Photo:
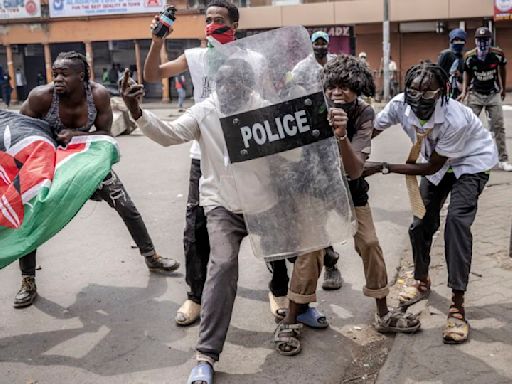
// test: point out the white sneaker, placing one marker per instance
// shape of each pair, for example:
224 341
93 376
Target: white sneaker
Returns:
507 167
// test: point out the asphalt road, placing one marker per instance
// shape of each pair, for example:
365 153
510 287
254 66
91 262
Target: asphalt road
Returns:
101 317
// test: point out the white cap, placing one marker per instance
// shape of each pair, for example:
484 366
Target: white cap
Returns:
362 54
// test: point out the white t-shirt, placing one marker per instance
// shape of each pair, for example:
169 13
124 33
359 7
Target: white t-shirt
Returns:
392 69
197 68
308 71
20 79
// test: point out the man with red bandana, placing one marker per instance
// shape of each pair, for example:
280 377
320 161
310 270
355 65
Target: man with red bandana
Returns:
221 24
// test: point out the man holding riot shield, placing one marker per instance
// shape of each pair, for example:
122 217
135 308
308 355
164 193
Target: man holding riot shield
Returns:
239 156
221 21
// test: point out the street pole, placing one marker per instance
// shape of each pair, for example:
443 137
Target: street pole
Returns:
385 46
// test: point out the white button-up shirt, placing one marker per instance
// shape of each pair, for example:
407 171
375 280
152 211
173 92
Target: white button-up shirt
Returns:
457 133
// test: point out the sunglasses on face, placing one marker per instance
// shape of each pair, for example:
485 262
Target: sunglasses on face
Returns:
428 95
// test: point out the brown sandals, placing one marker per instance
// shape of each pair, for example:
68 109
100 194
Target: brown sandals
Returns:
456 330
414 293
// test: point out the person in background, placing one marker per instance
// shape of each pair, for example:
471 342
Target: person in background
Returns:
113 76
363 57
6 89
133 72
40 79
120 72
21 84
452 61
104 76
485 76
179 82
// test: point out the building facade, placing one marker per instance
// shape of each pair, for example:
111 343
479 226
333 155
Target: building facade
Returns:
117 31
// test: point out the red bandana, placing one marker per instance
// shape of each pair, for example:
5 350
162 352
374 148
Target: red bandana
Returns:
220 32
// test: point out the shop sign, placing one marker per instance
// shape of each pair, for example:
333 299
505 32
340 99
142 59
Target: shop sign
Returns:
81 8
19 9
502 10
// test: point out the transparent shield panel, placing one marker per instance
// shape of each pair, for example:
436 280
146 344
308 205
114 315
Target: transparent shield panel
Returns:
280 148
312 209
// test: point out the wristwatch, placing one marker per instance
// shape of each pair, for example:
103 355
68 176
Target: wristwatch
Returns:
385 169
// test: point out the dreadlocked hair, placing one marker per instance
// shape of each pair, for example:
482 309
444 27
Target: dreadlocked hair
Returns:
427 71
348 71
233 13
78 58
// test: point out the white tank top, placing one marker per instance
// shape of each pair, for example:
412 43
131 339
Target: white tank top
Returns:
196 60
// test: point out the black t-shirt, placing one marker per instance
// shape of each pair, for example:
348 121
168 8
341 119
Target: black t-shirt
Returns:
485 73
446 59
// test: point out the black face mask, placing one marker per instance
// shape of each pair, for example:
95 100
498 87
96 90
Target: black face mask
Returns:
320 52
422 108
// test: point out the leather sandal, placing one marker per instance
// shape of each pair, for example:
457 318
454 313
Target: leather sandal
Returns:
414 293
456 330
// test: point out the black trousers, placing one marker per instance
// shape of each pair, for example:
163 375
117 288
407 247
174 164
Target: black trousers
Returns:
114 193
279 283
195 241
464 193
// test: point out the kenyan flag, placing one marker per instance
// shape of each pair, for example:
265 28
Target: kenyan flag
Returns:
42 186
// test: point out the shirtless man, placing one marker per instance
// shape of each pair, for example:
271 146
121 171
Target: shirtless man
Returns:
72 104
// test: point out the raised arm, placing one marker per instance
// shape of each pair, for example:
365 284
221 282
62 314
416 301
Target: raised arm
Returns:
184 129
154 72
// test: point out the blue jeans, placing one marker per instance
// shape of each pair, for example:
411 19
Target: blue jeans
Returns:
181 97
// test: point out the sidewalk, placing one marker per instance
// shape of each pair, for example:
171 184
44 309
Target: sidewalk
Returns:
487 357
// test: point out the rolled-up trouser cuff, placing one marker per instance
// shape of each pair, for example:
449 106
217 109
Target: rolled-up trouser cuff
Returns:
202 357
376 293
301 299
458 287
306 271
148 254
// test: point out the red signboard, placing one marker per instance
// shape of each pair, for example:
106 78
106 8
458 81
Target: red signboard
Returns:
502 10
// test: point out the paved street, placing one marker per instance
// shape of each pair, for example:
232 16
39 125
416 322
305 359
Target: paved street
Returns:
103 318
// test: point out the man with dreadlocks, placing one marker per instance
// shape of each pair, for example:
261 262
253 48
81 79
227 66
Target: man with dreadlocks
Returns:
345 79
72 104
457 152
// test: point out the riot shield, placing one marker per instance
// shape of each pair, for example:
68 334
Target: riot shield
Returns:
287 136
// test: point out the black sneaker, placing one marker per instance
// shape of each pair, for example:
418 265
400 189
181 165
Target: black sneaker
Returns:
27 293
332 278
158 263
